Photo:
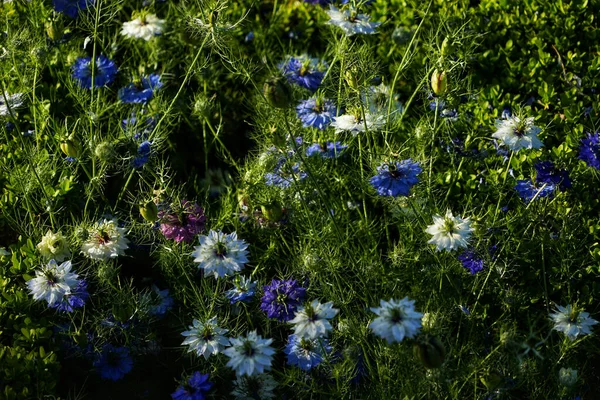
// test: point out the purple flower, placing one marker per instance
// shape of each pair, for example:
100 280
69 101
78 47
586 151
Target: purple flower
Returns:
548 173
73 300
140 93
71 7
143 154
326 150
303 71
281 299
471 261
396 179
182 223
195 389
528 190
316 113
589 150
105 71
114 362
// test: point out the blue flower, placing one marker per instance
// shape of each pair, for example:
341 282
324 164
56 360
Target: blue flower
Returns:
316 113
547 173
143 93
281 299
249 37
114 362
471 261
73 300
71 7
243 291
305 353
396 179
195 389
106 70
321 2
283 176
165 302
506 113
144 152
528 190
589 150
303 71
144 128
327 150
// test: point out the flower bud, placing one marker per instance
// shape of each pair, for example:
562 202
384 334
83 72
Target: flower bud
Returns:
439 82
105 151
567 376
430 351
492 380
277 92
70 148
272 212
351 79
446 47
149 211
54 29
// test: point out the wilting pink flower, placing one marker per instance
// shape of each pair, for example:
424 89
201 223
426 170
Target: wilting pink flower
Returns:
182 223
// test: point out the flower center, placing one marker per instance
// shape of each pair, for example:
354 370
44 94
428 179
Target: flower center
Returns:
306 345
207 334
220 250
102 237
50 278
248 349
113 360
396 315
448 225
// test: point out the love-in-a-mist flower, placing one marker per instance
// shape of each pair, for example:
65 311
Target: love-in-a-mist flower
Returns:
282 298
54 246
326 150
316 113
244 289
12 103
351 22
114 362
143 154
589 150
449 232
312 320
105 240
52 282
71 7
145 27
181 222
378 98
162 302
306 353
304 71
284 175
220 254
471 261
259 386
356 124
396 178
205 338
76 298
396 319
250 355
516 133
528 190
196 388
141 92
548 173
104 71
572 321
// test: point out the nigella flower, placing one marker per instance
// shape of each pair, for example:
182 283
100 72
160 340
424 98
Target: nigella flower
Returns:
449 232
143 155
243 291
396 179
572 322
351 22
396 319
220 254
516 133
141 92
205 338
281 299
143 127
114 362
258 386
304 71
548 173
250 355
54 246
163 302
589 150
353 124
316 113
312 320
144 27
306 353
12 102
71 7
52 282
378 98
506 113
471 261
75 299
104 71
105 240
284 175
528 190
326 150
196 388
182 222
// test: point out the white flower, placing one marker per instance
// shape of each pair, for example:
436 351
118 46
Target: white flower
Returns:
55 246
205 338
250 355
105 240
259 386
13 101
220 254
351 123
518 134
143 27
567 376
396 320
572 322
377 98
52 282
351 22
449 232
311 321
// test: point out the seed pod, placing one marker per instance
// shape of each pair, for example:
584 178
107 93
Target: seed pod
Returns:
430 351
70 148
272 212
439 82
446 48
277 92
491 380
105 151
149 211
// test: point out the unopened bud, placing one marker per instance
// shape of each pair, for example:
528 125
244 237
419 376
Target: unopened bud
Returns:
70 148
439 82
351 79
491 380
54 29
277 92
149 211
272 212
446 47
430 351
